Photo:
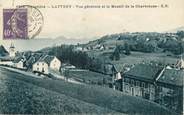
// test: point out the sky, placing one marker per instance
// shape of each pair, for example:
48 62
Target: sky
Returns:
92 23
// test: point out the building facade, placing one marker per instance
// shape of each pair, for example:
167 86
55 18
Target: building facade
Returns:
41 66
139 81
46 63
163 85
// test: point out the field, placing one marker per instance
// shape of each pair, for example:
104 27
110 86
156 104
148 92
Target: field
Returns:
135 57
103 97
89 76
20 97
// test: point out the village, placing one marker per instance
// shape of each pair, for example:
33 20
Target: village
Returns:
162 84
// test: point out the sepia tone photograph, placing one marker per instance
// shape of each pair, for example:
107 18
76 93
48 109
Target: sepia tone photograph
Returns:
98 57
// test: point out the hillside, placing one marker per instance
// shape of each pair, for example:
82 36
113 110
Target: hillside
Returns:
176 29
142 42
19 97
103 97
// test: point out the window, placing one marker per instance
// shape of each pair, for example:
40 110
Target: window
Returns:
37 63
137 83
43 70
37 69
42 63
126 88
127 80
149 86
123 79
132 82
143 84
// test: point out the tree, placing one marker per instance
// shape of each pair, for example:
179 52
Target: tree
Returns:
116 54
127 49
180 34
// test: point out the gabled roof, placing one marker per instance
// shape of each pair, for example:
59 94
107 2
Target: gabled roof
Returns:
46 58
144 72
117 68
33 58
172 77
18 59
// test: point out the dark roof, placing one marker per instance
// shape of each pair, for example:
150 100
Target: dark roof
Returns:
33 58
117 68
172 77
18 59
144 71
47 59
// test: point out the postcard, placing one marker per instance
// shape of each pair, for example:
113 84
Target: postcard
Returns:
78 57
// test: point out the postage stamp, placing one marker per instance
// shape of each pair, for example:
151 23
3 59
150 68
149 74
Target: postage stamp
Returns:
15 26
24 22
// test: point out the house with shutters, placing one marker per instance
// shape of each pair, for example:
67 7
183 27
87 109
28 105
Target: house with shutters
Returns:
32 58
46 64
157 83
169 89
19 63
140 80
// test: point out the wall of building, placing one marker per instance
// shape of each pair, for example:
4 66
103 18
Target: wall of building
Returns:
41 67
170 97
10 63
55 64
138 88
19 65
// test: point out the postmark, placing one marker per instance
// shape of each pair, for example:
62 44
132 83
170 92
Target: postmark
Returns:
35 20
24 22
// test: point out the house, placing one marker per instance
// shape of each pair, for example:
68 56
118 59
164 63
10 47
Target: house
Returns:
46 63
78 48
53 62
6 61
139 81
41 66
31 59
18 63
169 92
66 66
163 85
116 72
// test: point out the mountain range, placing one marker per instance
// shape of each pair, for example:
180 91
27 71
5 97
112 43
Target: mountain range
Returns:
40 43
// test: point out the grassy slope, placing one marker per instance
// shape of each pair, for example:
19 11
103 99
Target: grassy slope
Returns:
88 75
136 57
20 97
103 97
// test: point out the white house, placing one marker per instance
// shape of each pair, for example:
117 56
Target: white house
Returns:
6 62
47 63
116 72
41 66
18 63
55 63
